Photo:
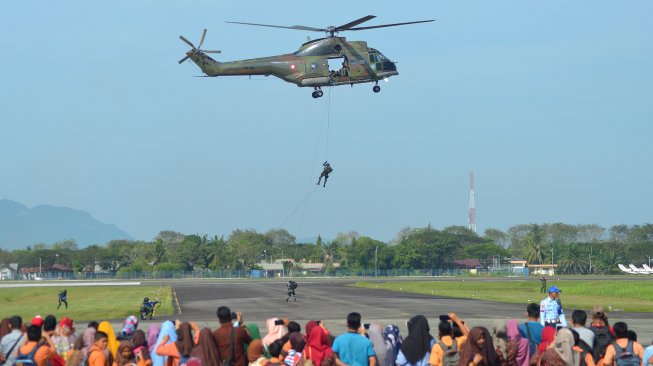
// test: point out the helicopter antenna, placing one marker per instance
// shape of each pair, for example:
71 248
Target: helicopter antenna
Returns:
332 30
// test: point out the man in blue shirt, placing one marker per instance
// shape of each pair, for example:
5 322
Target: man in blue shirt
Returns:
352 348
551 313
532 329
12 341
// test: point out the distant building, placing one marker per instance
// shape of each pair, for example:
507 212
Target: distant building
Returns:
523 268
9 271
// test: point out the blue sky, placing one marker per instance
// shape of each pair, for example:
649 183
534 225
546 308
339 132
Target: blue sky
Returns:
549 103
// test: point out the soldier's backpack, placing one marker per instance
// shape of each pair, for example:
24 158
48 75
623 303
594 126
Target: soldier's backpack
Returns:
450 355
602 339
626 356
26 359
293 285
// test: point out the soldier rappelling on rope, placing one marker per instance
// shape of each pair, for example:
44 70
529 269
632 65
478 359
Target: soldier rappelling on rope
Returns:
325 173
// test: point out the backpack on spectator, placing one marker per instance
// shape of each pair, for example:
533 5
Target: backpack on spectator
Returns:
450 355
602 339
26 359
626 356
586 349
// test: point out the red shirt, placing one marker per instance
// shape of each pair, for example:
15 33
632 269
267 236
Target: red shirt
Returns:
222 337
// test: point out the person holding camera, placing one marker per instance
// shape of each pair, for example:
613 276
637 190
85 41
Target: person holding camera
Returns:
231 339
452 334
352 347
276 330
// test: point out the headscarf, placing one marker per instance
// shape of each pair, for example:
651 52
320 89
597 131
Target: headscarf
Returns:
120 360
471 348
309 326
523 348
418 342
255 350
138 340
129 326
382 348
564 341
500 337
317 346
167 329
548 335
152 335
111 337
254 331
275 331
184 339
297 342
88 338
206 350
648 353
4 327
391 334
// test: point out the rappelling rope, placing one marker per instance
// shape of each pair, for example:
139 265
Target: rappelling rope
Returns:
298 206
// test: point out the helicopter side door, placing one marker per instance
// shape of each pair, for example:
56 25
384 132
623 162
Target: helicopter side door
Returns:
317 67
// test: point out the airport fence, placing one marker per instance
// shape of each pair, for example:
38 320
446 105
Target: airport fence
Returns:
259 273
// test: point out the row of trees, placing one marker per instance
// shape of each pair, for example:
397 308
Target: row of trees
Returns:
575 248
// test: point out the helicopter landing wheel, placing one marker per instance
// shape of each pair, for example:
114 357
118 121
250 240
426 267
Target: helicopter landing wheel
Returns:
320 93
315 94
376 88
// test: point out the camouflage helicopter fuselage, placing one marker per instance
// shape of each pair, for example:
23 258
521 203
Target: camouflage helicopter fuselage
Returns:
309 66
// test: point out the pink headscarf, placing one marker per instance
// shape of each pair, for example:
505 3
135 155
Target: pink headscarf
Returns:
275 331
512 328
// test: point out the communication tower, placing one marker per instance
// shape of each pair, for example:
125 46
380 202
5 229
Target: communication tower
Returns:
471 219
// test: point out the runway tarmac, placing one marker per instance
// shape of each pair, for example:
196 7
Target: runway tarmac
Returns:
331 300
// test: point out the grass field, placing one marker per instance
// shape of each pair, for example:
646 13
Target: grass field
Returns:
633 296
84 302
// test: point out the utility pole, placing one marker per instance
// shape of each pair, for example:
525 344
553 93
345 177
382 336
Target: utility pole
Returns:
471 215
551 254
376 261
39 266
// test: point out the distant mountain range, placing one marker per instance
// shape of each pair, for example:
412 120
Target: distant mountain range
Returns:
21 226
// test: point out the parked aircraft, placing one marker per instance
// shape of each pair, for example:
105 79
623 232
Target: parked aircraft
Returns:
638 270
624 269
649 269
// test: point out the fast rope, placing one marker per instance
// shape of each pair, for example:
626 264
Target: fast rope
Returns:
298 206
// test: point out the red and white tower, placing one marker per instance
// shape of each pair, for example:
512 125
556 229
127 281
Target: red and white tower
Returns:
471 219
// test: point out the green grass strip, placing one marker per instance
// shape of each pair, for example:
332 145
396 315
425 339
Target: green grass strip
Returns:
632 296
84 302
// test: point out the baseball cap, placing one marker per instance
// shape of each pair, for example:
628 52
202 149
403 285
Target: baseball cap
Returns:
554 289
37 320
598 312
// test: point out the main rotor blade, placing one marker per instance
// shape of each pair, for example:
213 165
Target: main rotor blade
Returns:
213 51
391 25
187 41
297 27
184 59
202 39
354 23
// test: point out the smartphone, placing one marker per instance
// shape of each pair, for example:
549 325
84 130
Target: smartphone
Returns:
444 318
278 322
366 325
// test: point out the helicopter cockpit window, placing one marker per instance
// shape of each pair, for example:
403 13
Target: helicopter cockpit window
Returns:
374 57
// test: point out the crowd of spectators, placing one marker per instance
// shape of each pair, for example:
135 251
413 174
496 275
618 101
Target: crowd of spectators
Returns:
48 342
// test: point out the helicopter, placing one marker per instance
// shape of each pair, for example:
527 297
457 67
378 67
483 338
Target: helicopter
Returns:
310 66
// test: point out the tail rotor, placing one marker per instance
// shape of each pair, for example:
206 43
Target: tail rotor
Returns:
196 50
